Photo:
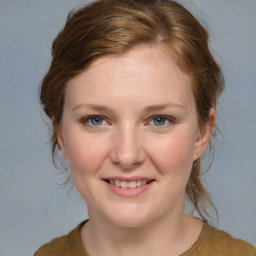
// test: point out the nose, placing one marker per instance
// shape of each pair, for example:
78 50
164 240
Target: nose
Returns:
127 150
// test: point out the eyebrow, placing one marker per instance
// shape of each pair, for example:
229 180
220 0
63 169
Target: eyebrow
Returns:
99 108
154 108
148 109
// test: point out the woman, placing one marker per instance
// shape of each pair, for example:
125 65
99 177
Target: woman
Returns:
132 92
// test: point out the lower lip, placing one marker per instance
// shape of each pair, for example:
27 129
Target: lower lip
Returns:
129 192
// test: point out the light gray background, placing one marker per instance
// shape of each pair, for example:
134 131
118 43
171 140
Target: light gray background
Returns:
33 208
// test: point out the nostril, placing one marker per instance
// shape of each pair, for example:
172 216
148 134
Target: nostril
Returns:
127 152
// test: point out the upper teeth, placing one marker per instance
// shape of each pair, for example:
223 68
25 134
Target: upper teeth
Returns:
128 184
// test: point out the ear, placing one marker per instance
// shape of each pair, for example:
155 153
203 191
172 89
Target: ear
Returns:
204 134
60 139
61 143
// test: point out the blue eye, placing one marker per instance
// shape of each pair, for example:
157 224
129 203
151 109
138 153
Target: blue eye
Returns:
159 121
94 121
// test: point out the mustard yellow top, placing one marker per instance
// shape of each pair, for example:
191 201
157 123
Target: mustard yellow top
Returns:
212 242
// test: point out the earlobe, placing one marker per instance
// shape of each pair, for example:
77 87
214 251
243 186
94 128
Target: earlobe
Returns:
61 144
59 136
204 135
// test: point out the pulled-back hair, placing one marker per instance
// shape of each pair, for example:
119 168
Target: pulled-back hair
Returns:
115 26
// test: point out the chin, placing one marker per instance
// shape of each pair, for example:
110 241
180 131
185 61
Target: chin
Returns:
130 218
130 222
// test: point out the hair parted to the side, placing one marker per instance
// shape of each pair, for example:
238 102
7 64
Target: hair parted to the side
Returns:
115 26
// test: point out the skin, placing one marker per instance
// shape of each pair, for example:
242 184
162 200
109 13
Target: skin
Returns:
127 93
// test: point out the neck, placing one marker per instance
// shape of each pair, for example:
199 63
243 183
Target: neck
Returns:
168 235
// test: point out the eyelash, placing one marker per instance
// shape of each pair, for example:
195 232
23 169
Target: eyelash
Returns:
89 121
167 119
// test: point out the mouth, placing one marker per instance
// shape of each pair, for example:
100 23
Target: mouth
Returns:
128 184
129 187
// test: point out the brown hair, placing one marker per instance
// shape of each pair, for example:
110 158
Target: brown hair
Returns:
115 26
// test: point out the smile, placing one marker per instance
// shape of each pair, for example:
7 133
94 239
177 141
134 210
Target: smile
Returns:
128 187
128 184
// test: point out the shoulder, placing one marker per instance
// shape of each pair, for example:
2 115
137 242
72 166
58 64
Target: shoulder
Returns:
63 245
222 243
55 247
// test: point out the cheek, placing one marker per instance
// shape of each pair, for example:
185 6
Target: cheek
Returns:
85 153
173 154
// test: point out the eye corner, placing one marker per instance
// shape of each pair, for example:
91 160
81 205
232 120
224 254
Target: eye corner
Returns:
94 121
159 122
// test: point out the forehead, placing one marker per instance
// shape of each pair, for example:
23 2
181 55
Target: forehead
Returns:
145 73
140 60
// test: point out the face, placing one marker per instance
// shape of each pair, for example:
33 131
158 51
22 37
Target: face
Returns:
130 133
